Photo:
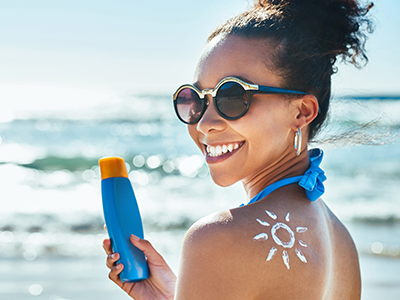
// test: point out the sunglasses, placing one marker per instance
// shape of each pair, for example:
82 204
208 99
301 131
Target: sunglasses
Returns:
232 97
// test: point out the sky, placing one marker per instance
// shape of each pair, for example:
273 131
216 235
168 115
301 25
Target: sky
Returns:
96 50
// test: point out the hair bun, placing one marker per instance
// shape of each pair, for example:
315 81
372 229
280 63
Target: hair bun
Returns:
339 26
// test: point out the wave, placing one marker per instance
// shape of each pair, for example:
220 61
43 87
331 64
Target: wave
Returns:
378 220
384 111
374 98
78 235
142 168
85 223
143 108
54 163
134 108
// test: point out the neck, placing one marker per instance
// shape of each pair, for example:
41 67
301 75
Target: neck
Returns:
285 166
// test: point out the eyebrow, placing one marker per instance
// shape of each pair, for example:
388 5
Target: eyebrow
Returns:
197 83
244 79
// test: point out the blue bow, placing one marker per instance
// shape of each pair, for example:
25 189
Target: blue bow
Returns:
313 178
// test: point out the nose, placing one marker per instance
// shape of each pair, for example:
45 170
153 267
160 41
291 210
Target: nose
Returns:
211 120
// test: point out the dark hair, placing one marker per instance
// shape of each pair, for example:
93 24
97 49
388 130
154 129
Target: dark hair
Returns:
309 36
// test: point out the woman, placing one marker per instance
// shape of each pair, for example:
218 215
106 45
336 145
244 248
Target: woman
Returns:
261 87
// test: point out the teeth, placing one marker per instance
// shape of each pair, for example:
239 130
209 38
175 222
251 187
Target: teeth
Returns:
211 150
221 149
218 150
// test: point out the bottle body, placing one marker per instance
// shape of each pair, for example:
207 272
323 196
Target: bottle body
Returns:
122 217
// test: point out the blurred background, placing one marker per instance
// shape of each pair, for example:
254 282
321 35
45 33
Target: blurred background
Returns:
80 80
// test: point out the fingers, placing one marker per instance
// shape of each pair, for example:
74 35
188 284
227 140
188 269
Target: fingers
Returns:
111 257
107 246
114 274
111 260
152 255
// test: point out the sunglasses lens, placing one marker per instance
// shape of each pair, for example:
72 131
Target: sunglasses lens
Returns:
231 100
189 106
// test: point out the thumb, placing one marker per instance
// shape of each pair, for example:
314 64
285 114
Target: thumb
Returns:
152 255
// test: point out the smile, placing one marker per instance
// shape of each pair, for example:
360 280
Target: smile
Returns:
219 150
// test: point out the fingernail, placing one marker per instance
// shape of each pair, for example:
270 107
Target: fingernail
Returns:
134 237
119 266
113 255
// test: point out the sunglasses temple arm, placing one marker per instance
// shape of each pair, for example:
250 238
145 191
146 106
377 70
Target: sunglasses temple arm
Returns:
274 90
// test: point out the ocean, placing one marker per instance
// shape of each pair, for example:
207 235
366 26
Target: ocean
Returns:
51 222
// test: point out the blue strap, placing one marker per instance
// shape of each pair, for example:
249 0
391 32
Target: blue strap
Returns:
311 181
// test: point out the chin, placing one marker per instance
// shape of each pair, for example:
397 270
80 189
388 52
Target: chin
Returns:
222 180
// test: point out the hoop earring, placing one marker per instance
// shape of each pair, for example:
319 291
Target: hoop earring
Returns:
297 142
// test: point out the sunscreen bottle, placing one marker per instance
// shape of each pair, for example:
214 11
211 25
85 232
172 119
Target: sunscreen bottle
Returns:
122 217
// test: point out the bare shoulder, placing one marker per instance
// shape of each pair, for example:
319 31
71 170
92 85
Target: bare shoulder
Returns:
269 250
204 259
246 253
210 228
216 260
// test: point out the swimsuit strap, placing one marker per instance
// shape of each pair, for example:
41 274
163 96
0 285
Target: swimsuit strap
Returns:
311 181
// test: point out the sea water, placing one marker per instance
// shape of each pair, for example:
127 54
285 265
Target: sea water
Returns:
50 181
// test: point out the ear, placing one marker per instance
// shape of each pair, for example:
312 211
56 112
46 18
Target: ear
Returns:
306 111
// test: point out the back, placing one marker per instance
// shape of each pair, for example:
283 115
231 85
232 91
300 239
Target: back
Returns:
278 248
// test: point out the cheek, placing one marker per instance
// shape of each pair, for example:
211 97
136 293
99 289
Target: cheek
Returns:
269 117
194 134
267 135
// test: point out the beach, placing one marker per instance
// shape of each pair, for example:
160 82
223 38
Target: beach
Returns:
51 223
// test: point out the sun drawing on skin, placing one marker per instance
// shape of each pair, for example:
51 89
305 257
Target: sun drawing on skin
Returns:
287 245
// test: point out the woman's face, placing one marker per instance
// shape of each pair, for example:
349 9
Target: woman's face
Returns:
258 139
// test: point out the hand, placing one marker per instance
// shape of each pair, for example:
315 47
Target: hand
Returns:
161 281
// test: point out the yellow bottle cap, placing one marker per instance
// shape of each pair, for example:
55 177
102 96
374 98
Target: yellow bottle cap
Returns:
112 167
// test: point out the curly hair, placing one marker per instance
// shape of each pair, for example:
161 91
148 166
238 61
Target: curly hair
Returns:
309 36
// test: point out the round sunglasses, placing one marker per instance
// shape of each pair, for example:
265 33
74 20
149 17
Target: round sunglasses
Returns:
232 97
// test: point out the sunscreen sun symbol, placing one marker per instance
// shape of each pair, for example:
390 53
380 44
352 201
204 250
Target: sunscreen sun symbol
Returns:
287 245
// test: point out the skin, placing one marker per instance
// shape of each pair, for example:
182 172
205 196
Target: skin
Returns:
220 259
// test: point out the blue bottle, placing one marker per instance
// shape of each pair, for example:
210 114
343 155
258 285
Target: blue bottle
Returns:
122 217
